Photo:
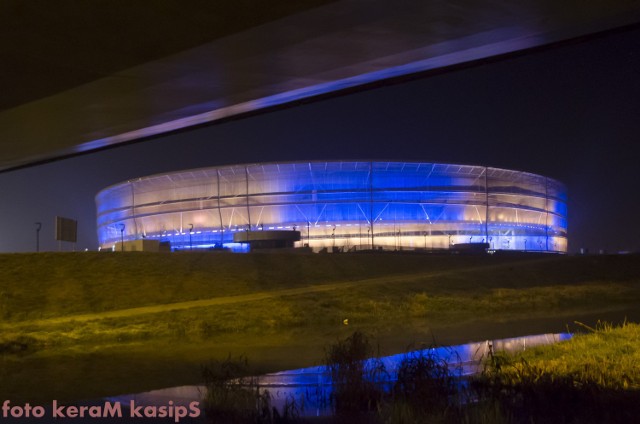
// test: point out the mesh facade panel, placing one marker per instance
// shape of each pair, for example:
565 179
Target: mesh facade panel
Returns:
349 205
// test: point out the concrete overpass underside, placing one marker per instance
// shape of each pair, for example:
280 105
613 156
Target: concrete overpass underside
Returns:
79 78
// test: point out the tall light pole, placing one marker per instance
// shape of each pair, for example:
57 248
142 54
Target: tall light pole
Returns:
121 227
333 236
38 227
190 232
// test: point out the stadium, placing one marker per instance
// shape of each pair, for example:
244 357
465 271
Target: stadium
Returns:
337 206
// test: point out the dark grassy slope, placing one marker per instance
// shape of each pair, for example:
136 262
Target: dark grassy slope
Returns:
55 284
396 297
47 285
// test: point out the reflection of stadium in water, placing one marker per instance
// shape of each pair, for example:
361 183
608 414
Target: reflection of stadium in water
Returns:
312 387
349 205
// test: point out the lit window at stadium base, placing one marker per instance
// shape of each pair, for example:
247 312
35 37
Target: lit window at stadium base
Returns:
340 206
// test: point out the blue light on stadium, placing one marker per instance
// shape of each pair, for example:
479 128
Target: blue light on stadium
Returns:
341 205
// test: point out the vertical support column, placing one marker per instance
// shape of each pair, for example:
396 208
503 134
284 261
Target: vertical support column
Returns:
133 208
219 210
486 210
371 218
246 175
546 209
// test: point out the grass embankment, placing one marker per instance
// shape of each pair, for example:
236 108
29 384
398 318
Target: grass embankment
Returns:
593 378
100 323
606 356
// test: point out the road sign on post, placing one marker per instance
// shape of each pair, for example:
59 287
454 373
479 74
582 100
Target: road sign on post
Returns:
66 230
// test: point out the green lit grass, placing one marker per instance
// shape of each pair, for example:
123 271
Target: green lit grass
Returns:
56 341
35 286
606 356
593 378
377 305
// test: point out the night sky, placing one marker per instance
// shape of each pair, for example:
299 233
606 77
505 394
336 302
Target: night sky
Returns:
570 112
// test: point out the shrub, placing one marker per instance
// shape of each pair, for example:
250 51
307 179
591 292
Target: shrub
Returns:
233 397
355 375
425 382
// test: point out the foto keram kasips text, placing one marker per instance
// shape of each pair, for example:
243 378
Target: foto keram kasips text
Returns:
107 410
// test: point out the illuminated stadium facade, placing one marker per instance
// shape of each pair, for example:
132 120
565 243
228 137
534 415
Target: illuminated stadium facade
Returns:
348 205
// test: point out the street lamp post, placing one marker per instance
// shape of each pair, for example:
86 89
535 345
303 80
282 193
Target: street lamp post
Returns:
38 227
121 226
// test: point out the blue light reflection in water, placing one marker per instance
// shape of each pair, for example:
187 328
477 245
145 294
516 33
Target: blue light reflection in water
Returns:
311 387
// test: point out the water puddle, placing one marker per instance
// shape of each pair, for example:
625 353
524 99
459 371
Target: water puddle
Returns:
311 387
